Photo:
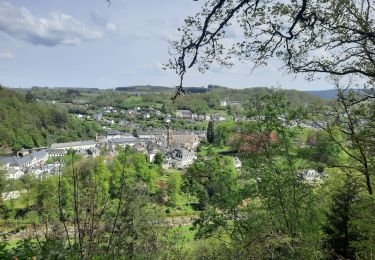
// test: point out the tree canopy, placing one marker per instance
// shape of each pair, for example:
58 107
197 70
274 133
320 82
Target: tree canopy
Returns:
308 36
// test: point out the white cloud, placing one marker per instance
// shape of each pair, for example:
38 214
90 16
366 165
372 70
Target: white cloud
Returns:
170 36
103 21
111 27
57 29
6 55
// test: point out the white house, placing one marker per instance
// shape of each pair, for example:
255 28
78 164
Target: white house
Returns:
15 174
311 176
223 103
79 145
184 114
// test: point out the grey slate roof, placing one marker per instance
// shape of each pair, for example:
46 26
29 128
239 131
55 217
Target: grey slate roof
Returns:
78 143
54 151
123 140
39 154
23 160
6 160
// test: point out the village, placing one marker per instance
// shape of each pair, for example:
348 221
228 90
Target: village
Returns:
178 149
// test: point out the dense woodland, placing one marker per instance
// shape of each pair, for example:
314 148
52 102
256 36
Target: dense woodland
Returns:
27 123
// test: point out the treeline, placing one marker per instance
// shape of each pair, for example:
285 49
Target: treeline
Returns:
27 123
200 103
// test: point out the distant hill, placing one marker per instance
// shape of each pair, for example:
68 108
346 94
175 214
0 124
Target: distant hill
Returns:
144 89
161 89
326 94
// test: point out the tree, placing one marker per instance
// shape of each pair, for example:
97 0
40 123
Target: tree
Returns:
210 132
223 131
29 96
213 181
266 211
3 184
174 187
159 158
339 233
350 125
308 36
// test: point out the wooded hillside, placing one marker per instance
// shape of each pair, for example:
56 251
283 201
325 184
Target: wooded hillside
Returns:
28 123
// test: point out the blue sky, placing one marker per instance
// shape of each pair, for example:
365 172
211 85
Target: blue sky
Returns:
88 44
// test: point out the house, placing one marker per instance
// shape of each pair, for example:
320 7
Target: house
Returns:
179 158
237 162
151 133
25 162
56 152
188 141
131 111
184 114
167 118
79 145
93 152
223 103
7 162
234 103
122 122
311 176
201 117
14 174
122 142
12 194
146 116
113 134
34 159
153 149
98 116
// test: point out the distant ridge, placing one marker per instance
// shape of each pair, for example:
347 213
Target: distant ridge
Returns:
144 89
326 94
150 88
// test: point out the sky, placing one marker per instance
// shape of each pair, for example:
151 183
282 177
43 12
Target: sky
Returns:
87 43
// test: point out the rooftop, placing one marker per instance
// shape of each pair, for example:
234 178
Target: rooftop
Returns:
70 144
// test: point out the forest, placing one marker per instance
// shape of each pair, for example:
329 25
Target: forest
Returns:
27 123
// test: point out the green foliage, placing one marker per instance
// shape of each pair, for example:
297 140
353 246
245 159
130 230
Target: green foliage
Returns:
339 234
214 182
159 158
223 132
210 132
27 124
174 187
3 184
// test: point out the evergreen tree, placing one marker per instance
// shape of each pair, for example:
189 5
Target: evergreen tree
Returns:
210 132
339 235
